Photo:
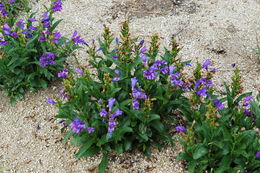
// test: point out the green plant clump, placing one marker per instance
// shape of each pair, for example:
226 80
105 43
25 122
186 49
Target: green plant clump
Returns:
32 52
128 99
223 134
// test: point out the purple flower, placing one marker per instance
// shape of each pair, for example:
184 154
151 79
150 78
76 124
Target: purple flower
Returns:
90 129
61 92
206 64
111 125
7 27
117 72
202 92
100 101
32 19
76 39
150 74
115 79
133 82
3 43
14 34
180 128
31 28
64 73
115 57
160 63
118 112
47 58
111 102
171 69
197 84
51 101
117 41
79 71
42 38
20 24
164 70
247 112
56 38
77 125
257 154
233 65
142 50
213 70
46 20
139 95
177 82
143 57
218 104
135 104
247 99
103 112
57 6
141 43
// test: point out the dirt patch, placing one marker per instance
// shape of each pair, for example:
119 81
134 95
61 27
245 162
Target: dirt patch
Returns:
142 8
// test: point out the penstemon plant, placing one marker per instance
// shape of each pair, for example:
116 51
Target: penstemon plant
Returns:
32 52
221 137
128 99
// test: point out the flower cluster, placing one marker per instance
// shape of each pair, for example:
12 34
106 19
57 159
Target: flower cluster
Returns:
137 94
47 59
246 104
110 116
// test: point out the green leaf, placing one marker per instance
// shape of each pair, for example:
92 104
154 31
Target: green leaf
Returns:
85 150
156 124
153 117
119 148
55 25
103 164
199 152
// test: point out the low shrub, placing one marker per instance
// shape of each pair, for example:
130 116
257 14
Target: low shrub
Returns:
223 131
32 52
128 99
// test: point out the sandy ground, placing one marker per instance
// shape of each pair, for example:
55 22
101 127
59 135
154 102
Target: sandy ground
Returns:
221 30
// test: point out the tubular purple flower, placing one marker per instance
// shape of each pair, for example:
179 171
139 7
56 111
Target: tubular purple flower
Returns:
202 92
150 74
135 104
141 43
111 102
247 112
103 112
139 95
3 43
117 72
41 38
111 125
171 69
14 34
143 57
32 19
90 129
64 73
133 82
177 82
164 70
47 58
257 154
206 64
57 6
180 128
51 101
7 27
79 71
32 28
118 112
218 104
247 99
115 79
20 24
115 57
77 125
142 50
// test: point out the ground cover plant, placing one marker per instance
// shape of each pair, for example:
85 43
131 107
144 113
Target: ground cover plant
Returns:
223 131
127 101
32 52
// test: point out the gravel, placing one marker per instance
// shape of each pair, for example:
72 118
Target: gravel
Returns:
220 30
